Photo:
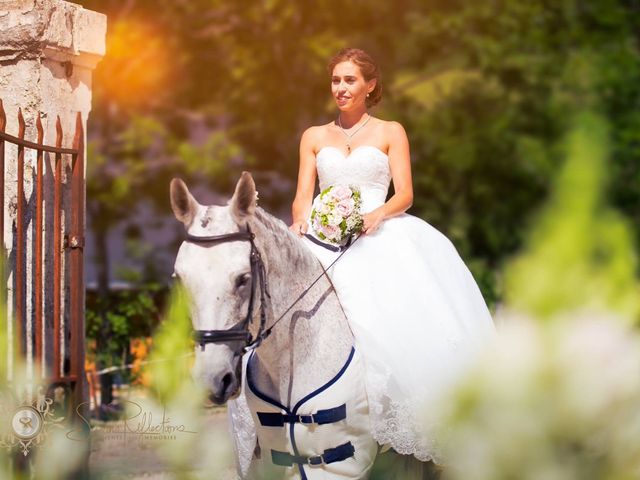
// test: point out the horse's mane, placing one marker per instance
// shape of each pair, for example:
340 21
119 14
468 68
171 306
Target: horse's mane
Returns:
287 244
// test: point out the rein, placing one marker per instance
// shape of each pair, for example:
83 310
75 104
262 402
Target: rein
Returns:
240 332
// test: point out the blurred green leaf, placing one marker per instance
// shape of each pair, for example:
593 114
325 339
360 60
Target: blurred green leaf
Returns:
581 253
170 358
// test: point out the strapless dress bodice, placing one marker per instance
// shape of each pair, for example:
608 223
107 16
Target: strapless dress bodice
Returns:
366 167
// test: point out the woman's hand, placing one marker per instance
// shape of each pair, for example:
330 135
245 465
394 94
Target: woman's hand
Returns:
372 221
299 227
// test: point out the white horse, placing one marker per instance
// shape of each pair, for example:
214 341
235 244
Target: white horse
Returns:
305 380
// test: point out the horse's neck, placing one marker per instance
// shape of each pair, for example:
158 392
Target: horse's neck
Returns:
310 344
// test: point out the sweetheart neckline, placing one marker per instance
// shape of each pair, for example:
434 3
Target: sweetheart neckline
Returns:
352 151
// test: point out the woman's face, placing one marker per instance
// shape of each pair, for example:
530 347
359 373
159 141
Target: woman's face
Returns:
348 86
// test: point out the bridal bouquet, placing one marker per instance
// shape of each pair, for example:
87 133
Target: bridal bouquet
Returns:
336 213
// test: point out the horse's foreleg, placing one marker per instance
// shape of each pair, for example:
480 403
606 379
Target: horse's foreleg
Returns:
256 467
254 471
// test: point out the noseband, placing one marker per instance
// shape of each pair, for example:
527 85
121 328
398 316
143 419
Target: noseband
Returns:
239 332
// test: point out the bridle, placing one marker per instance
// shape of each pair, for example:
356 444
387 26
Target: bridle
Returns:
240 332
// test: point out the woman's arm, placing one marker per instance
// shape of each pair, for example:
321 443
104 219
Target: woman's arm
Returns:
301 207
400 164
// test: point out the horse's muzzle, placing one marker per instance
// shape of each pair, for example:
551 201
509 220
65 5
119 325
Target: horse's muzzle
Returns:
224 388
226 385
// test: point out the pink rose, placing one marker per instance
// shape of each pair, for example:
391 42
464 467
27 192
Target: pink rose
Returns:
345 207
331 231
341 192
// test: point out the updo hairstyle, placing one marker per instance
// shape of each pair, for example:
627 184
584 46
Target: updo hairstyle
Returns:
367 66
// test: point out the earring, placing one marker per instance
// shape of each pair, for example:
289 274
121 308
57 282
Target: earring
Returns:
367 95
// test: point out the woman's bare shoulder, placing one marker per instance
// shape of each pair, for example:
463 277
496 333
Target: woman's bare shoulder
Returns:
315 136
390 132
391 127
316 130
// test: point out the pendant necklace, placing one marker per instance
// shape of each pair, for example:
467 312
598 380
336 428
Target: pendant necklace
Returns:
352 134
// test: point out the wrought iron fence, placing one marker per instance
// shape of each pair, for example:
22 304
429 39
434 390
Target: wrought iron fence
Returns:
47 301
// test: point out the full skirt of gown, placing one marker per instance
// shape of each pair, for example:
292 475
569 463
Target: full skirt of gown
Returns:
418 318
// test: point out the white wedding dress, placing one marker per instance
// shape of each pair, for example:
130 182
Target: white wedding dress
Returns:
417 313
414 307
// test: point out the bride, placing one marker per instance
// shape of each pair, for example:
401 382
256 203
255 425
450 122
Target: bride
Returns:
415 309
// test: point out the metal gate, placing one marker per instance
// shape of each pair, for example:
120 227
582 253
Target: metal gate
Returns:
44 280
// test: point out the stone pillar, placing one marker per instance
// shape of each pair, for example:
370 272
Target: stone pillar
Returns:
48 50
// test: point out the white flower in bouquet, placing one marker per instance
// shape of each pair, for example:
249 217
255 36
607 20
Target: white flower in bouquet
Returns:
336 213
335 218
352 222
324 208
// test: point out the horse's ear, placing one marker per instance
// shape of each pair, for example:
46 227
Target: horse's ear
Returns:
183 204
243 202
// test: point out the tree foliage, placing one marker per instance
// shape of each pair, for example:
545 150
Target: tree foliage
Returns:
489 90
131 313
485 90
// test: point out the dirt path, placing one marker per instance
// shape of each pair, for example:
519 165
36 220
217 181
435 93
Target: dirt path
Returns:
154 444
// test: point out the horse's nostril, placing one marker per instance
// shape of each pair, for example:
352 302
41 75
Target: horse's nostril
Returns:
226 381
223 387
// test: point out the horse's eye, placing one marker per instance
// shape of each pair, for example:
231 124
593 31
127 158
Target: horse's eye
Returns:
242 280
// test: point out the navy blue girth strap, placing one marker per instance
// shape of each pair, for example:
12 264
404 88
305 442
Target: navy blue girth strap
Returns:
321 417
330 455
